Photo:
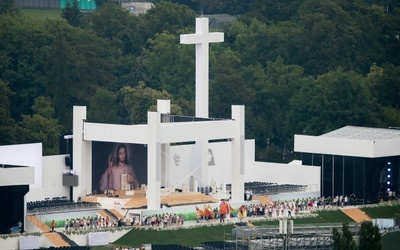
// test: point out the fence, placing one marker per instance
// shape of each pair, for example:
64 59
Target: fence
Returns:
39 4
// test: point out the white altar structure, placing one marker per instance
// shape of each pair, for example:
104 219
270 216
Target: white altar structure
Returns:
158 136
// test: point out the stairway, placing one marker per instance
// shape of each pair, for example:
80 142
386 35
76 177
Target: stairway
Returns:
102 213
38 223
116 213
356 214
56 239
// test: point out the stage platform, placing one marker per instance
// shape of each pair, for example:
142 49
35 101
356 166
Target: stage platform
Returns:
137 199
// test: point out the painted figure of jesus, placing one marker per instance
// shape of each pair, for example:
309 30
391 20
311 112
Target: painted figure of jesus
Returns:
111 179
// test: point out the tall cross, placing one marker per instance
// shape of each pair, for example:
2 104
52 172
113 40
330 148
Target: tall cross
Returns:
202 39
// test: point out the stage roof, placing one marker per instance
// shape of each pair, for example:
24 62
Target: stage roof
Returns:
352 141
363 133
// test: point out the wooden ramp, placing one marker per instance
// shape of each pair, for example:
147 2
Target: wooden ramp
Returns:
356 214
263 199
56 239
116 213
38 223
102 213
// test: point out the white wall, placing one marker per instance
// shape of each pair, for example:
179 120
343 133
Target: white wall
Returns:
182 158
24 155
182 164
284 174
53 167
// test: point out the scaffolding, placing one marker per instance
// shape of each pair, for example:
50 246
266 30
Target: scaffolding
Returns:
289 237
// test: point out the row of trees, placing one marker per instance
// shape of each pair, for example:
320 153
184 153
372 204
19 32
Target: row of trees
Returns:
369 238
306 67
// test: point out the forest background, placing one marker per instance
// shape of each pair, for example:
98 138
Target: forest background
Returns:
298 66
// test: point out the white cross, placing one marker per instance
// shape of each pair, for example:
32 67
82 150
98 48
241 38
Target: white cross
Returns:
202 39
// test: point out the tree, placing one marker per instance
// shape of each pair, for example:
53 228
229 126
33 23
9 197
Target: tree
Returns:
169 17
227 86
273 10
384 82
23 53
79 62
104 107
100 3
170 66
139 100
72 13
8 7
124 31
343 240
333 100
272 87
7 123
41 126
370 238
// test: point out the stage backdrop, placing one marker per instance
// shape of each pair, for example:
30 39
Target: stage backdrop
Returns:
101 151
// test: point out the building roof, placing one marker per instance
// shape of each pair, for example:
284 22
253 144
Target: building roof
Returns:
364 133
352 141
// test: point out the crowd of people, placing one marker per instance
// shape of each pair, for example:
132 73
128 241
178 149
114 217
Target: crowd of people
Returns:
95 222
164 220
274 209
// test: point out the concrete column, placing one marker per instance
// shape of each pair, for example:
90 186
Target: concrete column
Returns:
238 155
153 161
165 164
164 107
201 162
81 154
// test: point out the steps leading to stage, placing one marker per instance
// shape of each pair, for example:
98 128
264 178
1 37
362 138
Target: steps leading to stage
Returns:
102 213
38 223
263 199
116 213
56 239
356 214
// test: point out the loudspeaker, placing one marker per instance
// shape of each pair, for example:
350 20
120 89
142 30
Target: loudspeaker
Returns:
68 161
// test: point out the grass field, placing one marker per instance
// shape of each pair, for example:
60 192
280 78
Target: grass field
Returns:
195 236
42 13
391 241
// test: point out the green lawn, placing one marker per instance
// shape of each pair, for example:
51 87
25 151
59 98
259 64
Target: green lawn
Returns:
42 13
195 236
185 237
382 212
391 241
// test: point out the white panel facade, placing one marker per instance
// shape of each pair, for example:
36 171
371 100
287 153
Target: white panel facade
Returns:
113 133
53 167
17 176
24 155
334 146
285 174
183 131
389 147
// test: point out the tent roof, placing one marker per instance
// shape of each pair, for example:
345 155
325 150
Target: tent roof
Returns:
364 133
352 141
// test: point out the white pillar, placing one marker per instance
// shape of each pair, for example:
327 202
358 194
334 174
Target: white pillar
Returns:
82 154
238 155
164 107
165 164
153 161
